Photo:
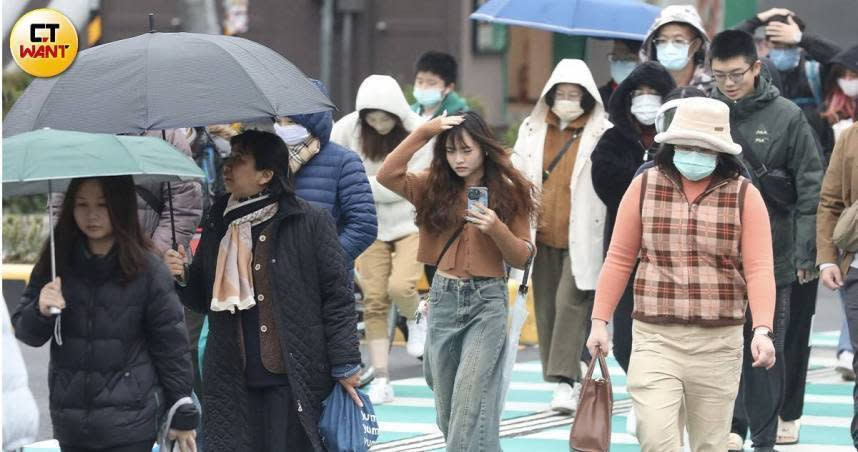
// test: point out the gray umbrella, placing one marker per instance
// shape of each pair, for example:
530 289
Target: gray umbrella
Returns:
164 81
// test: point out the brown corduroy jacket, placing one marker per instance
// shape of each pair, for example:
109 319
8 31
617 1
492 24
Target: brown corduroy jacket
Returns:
839 191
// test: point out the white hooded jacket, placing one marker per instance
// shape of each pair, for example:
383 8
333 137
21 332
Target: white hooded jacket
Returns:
382 92
587 217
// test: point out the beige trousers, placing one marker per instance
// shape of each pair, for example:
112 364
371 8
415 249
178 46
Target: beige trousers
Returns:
388 274
671 363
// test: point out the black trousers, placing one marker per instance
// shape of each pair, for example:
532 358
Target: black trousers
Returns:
623 326
273 418
761 391
802 306
143 446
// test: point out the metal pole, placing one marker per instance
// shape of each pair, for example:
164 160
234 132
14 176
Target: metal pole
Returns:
346 74
327 30
53 310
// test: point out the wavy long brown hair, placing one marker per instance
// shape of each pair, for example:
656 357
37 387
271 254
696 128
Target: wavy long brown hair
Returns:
130 243
510 193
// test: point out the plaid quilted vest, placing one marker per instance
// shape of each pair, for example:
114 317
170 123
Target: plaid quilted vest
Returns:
690 263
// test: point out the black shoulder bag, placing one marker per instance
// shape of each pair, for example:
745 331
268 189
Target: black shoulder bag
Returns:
776 184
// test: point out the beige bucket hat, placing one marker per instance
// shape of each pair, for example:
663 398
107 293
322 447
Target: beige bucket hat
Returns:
701 122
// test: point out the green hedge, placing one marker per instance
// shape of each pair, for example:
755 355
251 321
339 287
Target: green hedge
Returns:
23 237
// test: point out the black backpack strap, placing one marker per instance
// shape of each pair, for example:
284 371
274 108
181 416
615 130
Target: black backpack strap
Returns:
156 204
449 243
743 189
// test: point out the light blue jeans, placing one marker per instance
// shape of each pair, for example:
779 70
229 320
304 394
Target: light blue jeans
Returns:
463 359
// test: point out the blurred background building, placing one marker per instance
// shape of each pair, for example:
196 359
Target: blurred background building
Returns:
501 68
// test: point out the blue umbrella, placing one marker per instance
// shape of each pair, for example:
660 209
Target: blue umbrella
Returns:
613 19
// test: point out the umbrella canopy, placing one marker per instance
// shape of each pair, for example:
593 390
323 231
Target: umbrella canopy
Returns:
47 160
614 19
163 81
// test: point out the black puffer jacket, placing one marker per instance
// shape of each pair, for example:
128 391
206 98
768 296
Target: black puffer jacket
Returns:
315 315
620 152
125 350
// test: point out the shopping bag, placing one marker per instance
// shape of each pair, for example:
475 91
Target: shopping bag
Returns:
165 444
591 430
517 317
346 427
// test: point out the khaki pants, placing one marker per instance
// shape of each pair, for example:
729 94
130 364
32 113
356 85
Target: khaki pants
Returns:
562 314
671 363
388 274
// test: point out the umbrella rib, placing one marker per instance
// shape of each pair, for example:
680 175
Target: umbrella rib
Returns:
244 70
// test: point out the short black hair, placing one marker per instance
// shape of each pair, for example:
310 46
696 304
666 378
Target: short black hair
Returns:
439 63
633 45
587 101
270 153
733 43
783 18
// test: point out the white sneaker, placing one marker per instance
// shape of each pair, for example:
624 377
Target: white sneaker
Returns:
380 391
565 399
416 338
844 366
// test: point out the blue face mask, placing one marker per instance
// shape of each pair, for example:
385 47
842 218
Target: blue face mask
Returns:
694 165
621 69
673 57
785 59
428 97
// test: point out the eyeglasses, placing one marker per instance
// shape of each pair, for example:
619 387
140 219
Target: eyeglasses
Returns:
613 58
734 77
674 41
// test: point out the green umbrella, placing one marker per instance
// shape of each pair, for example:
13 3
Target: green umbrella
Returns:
46 160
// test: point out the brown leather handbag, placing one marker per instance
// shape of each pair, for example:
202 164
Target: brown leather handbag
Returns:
591 430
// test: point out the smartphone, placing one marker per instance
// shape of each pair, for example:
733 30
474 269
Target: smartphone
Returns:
477 195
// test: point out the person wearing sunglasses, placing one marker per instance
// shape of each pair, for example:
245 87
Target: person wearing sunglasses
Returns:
783 156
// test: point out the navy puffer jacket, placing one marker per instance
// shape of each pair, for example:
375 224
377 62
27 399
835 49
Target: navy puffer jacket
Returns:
335 180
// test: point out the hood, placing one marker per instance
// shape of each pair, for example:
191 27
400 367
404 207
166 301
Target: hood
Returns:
847 58
570 71
651 74
319 124
382 92
685 14
764 93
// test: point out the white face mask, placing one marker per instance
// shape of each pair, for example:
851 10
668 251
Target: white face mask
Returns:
291 134
849 86
567 110
645 107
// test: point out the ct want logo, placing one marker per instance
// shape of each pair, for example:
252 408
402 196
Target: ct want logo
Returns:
43 42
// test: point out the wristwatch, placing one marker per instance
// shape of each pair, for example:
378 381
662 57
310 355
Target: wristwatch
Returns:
764 331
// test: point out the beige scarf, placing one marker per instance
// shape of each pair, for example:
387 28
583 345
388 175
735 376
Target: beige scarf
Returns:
233 285
301 153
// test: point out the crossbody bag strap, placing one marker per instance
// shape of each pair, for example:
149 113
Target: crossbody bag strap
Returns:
757 167
449 242
556 161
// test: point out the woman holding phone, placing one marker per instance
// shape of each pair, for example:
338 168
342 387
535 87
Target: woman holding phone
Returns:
468 300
